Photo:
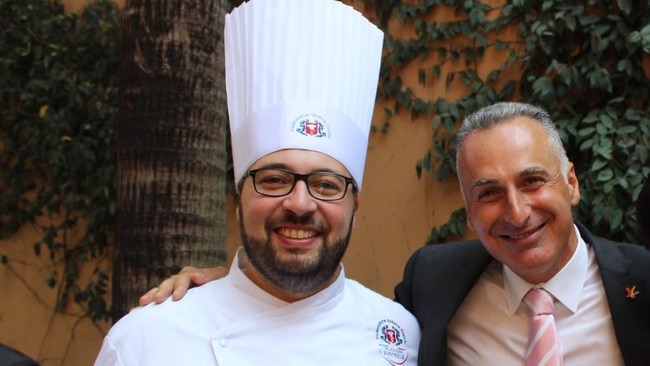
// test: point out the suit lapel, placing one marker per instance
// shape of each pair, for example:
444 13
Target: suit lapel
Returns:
630 313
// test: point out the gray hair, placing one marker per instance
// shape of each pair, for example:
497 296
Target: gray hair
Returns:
490 116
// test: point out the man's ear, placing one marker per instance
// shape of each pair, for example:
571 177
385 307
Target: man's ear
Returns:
470 224
574 185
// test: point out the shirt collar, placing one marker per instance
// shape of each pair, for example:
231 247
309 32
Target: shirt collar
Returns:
566 285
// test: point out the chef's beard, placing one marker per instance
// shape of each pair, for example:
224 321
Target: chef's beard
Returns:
297 275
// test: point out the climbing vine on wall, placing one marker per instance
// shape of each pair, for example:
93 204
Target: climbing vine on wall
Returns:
58 88
586 62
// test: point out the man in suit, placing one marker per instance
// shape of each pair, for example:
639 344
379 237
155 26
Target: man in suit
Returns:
519 189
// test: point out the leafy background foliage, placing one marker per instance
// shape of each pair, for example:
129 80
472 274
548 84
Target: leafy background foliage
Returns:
58 78
586 62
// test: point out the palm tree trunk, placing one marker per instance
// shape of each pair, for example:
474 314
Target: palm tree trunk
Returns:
171 144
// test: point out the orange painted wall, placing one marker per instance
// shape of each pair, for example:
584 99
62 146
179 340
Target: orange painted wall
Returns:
396 214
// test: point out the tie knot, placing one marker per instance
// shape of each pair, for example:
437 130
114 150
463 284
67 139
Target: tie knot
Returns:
539 301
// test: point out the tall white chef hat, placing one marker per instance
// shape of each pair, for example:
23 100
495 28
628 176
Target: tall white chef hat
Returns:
300 74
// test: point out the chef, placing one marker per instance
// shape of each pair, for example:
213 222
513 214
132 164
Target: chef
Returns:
301 79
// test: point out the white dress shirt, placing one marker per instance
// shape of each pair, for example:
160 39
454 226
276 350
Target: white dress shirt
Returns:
491 327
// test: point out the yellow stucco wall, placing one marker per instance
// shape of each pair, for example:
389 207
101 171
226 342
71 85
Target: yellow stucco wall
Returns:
397 211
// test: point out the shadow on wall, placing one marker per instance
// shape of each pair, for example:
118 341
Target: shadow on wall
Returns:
11 357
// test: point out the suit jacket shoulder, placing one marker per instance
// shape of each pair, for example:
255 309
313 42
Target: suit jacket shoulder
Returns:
437 279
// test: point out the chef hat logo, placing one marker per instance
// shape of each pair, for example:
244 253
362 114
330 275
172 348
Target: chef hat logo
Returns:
301 74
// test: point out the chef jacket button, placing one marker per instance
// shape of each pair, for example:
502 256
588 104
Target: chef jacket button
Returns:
223 342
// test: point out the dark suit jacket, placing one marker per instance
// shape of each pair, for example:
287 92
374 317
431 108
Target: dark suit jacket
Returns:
437 279
12 357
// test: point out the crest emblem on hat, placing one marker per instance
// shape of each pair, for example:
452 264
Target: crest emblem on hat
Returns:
392 342
311 125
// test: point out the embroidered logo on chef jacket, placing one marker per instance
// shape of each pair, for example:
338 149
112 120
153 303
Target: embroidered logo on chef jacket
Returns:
311 125
392 342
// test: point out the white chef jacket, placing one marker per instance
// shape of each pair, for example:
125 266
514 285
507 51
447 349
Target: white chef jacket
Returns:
231 321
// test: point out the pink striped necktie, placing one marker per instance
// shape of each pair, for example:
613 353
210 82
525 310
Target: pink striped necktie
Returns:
544 348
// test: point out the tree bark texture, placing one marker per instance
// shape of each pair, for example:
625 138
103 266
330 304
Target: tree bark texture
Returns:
171 151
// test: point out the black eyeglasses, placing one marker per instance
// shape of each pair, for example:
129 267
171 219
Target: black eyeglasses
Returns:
324 186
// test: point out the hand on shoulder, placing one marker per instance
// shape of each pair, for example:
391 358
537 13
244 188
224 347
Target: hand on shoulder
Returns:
178 284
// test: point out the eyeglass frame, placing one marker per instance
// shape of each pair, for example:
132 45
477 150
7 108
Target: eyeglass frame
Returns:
302 177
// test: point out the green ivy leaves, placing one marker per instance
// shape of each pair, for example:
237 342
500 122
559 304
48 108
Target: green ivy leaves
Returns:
586 62
58 104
